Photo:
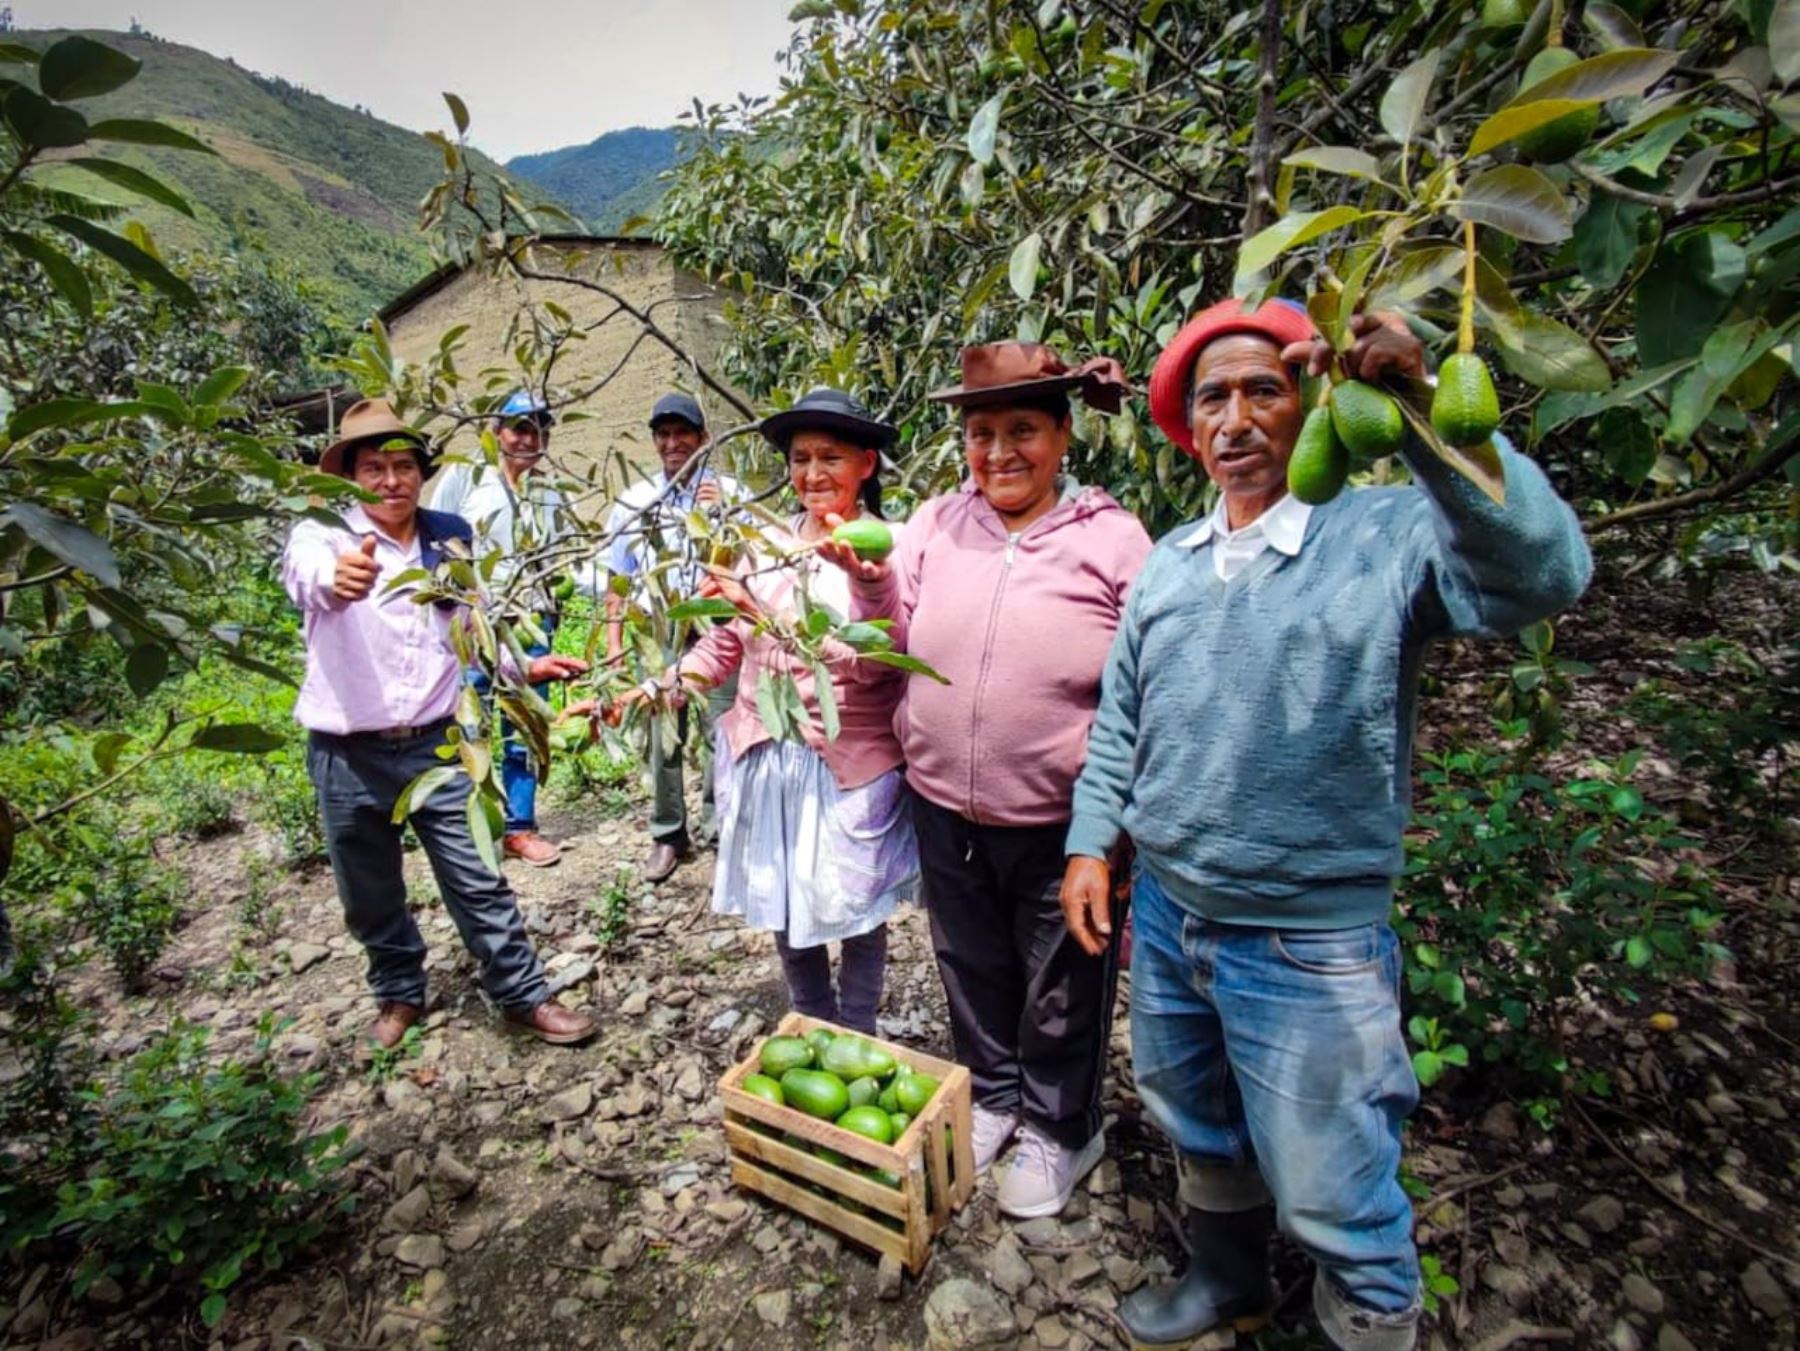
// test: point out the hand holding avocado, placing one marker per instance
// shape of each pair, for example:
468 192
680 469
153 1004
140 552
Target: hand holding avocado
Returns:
859 547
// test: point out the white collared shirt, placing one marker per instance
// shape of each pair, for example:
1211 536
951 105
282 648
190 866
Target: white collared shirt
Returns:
1282 527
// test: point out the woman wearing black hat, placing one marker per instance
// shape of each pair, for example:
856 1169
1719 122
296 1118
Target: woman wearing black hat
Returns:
815 836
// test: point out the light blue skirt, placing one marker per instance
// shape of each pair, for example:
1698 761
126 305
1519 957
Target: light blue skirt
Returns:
800 855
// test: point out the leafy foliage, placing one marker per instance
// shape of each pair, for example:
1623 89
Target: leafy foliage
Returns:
1522 892
1089 173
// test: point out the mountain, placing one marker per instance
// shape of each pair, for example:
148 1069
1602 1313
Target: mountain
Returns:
329 190
610 179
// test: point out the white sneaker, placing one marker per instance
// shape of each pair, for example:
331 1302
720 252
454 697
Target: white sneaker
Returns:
989 1134
1043 1174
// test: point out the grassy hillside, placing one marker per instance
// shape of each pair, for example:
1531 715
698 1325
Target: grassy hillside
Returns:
330 189
610 179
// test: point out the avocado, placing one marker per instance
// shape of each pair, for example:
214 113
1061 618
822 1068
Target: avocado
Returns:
871 539
1555 141
870 1122
816 1093
819 1038
854 1058
1503 13
863 1091
762 1086
781 1054
888 1100
913 1091
1367 421
900 1122
1319 465
1465 410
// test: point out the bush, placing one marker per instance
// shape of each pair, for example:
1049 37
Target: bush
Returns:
130 904
195 1172
1519 892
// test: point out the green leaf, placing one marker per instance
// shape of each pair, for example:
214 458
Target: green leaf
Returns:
485 826
906 662
1403 105
459 112
72 544
1612 26
1022 271
709 607
130 257
70 281
18 54
143 131
1416 274
1606 238
1428 1066
77 67
134 180
1628 443
1611 75
43 125
1337 159
1551 355
236 738
1685 293
1518 200
416 794
212 1309
145 669
826 694
1784 40
984 128
1289 232
75 412
769 706
1514 121
1638 951
221 385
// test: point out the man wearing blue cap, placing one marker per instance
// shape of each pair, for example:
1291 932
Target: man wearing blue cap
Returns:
658 506
516 510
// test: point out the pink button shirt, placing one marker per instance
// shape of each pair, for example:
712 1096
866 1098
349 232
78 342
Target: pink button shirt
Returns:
371 664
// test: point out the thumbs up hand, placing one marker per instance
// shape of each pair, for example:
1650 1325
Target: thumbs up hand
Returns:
356 571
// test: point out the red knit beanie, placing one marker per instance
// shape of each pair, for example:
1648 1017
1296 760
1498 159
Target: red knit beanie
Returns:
1281 321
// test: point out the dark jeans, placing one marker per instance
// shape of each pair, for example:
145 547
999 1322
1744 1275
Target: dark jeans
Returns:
358 779
1029 1010
862 963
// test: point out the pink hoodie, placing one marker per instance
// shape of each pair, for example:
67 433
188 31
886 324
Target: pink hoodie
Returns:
1021 626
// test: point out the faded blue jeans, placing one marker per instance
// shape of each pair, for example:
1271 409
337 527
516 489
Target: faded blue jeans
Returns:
517 774
1274 1060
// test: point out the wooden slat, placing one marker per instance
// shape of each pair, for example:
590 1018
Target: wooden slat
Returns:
865 1190
937 1160
814 1131
919 1229
791 1194
962 1141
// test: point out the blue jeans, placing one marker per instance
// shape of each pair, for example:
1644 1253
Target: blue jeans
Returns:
1274 1059
517 777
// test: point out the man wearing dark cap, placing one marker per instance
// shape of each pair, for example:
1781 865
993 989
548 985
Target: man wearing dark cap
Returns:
651 510
381 692
1254 739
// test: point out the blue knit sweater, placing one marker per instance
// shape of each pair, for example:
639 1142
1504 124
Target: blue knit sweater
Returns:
1254 737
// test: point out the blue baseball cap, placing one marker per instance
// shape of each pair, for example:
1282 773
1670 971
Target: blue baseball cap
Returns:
683 406
524 403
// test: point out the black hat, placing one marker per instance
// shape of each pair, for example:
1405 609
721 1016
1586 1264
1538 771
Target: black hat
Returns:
683 406
828 410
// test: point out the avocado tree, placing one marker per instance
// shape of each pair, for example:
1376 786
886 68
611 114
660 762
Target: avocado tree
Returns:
1599 200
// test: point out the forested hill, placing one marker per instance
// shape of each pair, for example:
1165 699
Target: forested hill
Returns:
333 191
610 179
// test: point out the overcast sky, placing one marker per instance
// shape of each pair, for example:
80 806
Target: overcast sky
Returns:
537 74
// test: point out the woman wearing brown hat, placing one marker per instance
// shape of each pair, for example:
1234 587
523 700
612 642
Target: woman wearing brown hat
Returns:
1011 587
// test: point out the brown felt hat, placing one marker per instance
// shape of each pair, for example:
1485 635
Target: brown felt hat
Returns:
1001 372
374 421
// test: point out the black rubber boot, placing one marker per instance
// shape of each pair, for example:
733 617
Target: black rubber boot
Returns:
1226 1281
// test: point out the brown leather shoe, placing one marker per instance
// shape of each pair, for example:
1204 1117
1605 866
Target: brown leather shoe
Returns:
530 847
391 1022
660 865
551 1022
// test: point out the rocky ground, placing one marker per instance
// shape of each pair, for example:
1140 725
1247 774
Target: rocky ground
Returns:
517 1195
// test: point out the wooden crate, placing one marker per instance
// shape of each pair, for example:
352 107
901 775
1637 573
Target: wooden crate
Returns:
937 1174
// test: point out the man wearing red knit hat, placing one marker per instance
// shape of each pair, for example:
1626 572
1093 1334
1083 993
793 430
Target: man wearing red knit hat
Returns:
1254 739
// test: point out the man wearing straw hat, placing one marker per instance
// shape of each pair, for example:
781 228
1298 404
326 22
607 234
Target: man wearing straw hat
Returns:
381 690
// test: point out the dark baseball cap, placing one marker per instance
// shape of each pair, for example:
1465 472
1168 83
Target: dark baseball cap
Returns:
683 406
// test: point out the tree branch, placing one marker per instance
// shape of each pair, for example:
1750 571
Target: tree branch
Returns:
1768 466
1261 209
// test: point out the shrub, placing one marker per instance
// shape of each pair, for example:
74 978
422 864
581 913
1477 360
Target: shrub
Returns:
1519 892
130 904
198 1172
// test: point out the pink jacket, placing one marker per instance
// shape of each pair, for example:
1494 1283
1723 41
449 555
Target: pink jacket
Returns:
1021 626
866 746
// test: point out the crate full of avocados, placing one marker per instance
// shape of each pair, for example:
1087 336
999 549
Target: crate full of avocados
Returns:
865 1137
